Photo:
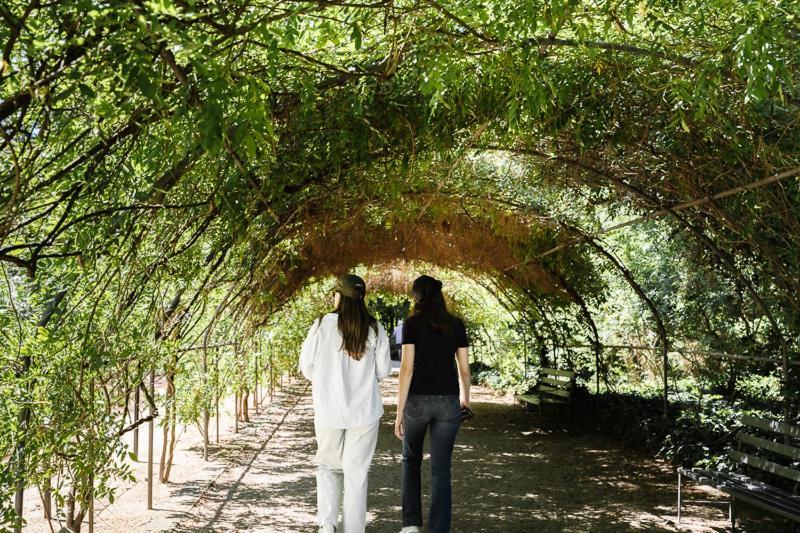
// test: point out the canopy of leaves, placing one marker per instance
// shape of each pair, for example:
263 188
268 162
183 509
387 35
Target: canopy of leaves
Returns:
177 170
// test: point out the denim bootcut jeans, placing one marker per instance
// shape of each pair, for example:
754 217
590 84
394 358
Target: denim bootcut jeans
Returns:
442 413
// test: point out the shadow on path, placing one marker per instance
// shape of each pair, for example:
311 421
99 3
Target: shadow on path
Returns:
509 475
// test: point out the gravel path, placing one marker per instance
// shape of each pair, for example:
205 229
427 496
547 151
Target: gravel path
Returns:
510 475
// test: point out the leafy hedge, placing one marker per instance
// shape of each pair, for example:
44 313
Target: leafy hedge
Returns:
698 430
483 374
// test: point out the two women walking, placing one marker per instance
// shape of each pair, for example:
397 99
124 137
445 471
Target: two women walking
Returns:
345 355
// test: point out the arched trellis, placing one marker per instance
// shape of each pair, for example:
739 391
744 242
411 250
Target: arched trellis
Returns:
267 121
335 240
453 239
461 241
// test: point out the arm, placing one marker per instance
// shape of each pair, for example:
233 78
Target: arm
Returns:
308 351
383 362
462 361
406 372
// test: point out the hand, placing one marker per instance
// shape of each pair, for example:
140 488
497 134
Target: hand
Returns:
464 403
398 427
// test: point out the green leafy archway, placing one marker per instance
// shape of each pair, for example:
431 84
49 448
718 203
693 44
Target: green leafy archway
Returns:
169 167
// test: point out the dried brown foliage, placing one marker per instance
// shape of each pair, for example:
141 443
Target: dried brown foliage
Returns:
483 241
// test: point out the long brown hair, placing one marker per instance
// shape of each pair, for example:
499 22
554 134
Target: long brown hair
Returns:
429 303
354 324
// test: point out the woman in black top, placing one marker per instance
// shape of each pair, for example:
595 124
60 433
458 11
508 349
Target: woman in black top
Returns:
434 386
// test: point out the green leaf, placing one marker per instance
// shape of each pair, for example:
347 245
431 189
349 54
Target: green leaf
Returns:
355 35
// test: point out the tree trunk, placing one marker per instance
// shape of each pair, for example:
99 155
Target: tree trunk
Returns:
25 414
74 516
170 423
243 411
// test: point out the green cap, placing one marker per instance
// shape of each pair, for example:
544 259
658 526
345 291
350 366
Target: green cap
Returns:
351 286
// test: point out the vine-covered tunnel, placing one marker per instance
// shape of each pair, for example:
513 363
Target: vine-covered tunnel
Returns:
608 188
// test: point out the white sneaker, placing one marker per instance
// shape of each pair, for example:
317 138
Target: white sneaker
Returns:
327 528
410 529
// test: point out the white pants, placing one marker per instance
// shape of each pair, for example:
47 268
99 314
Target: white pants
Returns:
343 459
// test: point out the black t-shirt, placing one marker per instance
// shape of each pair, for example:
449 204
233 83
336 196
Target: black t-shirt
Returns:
434 355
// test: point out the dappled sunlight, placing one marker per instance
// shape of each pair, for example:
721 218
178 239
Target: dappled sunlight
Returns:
610 190
509 475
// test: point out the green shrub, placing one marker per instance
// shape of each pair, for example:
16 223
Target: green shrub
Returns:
696 432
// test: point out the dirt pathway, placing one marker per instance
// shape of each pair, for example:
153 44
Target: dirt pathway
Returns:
509 476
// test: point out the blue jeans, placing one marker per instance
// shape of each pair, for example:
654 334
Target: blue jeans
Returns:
443 415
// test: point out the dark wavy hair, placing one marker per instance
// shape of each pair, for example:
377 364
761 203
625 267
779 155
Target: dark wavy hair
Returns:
354 324
429 304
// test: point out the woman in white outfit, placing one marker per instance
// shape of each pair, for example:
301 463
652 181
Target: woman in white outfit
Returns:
345 355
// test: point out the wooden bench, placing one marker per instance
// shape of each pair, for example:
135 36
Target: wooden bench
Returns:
762 446
554 387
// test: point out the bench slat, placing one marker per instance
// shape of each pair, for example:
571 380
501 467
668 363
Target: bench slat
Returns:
758 493
534 399
530 398
701 476
761 488
771 425
563 383
791 512
783 449
554 391
555 399
556 372
763 464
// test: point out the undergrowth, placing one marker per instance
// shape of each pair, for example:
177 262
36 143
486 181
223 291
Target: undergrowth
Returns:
695 432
